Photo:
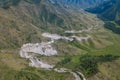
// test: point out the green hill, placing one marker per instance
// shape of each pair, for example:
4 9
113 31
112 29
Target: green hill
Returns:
24 21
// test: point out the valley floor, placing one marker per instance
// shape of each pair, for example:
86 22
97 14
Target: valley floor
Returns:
50 57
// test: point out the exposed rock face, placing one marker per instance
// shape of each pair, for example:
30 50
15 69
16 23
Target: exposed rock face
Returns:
70 38
39 64
57 37
43 48
38 48
29 50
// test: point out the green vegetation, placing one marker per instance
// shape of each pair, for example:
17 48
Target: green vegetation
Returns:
113 27
15 68
78 45
27 25
66 60
12 67
26 76
86 63
52 18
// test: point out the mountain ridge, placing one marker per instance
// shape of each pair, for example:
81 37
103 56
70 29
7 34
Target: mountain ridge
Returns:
77 4
39 17
109 12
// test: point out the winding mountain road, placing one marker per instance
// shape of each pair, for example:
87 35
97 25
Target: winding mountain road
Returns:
45 48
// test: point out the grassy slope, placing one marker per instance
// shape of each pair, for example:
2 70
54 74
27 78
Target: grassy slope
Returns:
12 67
108 45
20 23
25 22
108 71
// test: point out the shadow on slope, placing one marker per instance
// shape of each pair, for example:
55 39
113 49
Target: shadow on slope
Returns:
109 12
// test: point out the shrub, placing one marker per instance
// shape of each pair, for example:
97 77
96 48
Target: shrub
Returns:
88 63
65 61
112 27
